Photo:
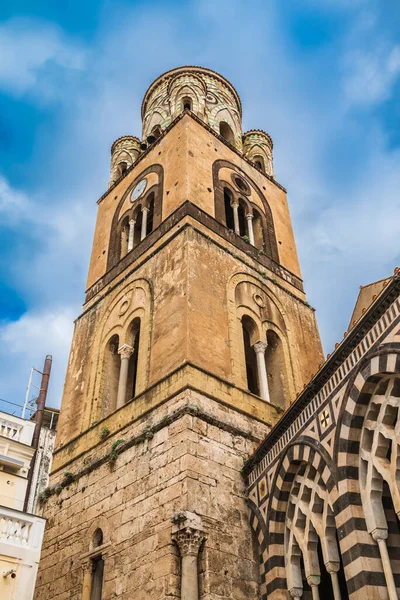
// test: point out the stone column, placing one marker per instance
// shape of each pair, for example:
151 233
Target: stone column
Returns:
188 534
145 210
260 348
125 351
380 536
235 206
131 234
333 568
314 581
87 568
249 218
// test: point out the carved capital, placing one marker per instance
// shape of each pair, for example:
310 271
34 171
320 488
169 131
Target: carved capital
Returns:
189 540
313 580
235 203
187 532
125 351
249 216
332 566
260 347
296 592
379 534
132 222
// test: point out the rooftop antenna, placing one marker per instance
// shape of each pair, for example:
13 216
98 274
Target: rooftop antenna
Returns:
30 403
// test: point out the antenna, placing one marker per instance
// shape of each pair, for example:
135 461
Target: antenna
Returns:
30 403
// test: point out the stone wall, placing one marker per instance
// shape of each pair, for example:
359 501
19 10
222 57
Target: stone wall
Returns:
185 456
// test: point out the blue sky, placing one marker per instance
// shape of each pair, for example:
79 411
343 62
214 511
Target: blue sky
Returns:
323 78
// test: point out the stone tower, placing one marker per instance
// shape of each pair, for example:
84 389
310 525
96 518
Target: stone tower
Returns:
195 334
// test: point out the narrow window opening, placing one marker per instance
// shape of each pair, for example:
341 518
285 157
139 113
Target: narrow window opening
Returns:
97 578
250 356
156 131
259 162
229 220
274 362
111 375
150 214
242 219
226 132
123 167
258 230
124 237
138 228
133 361
187 103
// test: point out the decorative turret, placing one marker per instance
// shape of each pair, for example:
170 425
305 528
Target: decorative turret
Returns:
124 153
206 93
257 147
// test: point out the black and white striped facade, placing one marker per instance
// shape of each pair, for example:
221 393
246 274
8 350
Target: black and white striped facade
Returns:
324 486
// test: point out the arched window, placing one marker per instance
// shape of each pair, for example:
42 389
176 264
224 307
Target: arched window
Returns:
229 220
112 364
122 168
274 362
259 162
226 131
156 131
248 327
312 554
258 230
134 340
97 562
186 102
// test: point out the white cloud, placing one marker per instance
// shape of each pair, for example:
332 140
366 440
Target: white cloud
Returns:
28 48
11 201
371 75
26 342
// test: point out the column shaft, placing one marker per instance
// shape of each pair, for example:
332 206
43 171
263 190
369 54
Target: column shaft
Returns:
387 569
315 592
131 234
126 352
235 207
250 228
259 349
335 586
189 582
144 223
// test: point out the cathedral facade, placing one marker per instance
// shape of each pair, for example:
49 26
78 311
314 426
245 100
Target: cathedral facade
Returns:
179 448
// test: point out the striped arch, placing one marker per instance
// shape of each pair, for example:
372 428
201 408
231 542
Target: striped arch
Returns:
386 360
362 557
272 563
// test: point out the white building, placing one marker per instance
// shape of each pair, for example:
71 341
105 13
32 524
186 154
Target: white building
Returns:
21 533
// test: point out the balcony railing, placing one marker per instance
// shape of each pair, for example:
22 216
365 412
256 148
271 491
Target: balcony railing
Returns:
10 430
19 530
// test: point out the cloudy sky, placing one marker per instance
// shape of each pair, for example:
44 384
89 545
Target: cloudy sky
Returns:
322 77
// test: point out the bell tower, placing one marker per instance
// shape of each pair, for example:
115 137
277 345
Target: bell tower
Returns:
195 335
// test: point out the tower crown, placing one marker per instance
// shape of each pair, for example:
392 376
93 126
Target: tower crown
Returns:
206 93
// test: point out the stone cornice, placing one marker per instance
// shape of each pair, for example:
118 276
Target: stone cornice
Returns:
342 352
189 69
188 209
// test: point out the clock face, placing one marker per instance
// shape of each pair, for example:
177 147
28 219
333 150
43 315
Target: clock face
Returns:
139 189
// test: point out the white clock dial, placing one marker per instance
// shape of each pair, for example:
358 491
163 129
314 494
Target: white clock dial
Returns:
139 189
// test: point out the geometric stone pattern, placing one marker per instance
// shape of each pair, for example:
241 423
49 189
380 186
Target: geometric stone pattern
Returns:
333 470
